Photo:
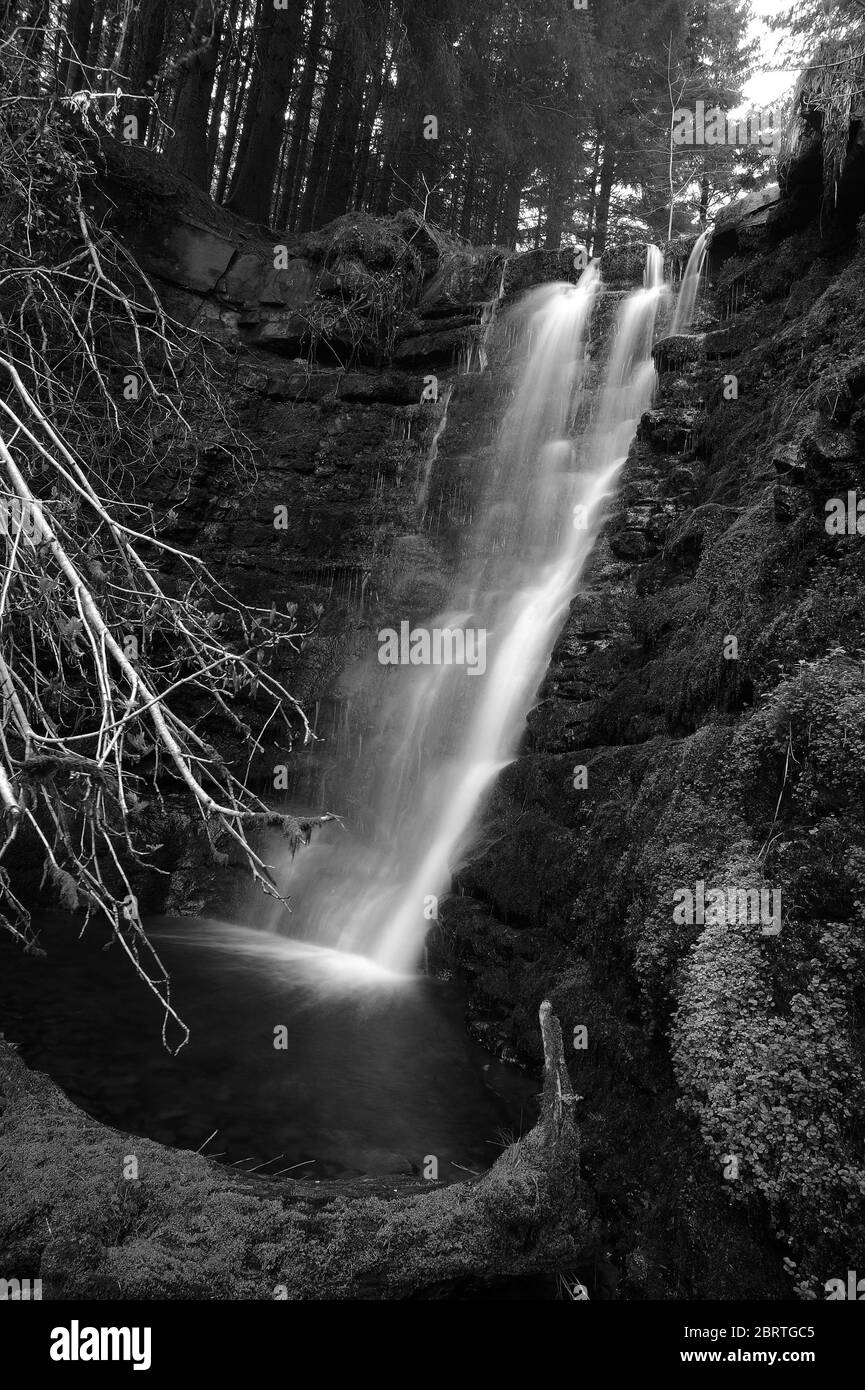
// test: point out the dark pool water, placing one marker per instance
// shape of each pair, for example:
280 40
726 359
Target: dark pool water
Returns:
377 1074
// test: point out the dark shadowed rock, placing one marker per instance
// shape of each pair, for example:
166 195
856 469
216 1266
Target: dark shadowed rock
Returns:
436 347
678 351
749 212
672 430
624 266
531 268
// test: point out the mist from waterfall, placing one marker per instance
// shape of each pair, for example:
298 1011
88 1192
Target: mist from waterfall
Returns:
444 732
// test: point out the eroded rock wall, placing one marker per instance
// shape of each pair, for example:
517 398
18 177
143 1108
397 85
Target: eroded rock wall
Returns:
722 1072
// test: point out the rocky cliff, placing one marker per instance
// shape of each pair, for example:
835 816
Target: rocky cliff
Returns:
710 682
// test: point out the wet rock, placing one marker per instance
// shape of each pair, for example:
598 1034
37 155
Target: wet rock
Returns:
788 503
677 254
644 489
477 934
274 328
252 279
632 543
725 342
746 213
460 280
539 267
805 292
681 481
840 390
624 266
194 258
789 464
432 347
830 455
669 431
298 380
800 167
678 351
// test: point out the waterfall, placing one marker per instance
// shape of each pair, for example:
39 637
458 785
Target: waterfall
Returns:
653 275
445 730
690 284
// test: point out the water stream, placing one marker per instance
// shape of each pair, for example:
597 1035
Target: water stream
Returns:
447 727
687 300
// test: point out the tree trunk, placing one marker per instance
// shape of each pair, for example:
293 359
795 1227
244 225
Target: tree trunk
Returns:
465 222
364 144
509 221
558 1100
416 157
118 60
704 199
227 62
33 38
302 116
327 115
78 25
389 148
148 36
255 171
555 211
417 172
493 211
238 86
94 45
187 151
336 191
608 172
593 195
249 92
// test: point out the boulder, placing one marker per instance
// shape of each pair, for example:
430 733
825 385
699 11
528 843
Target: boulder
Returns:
539 267
623 267
751 211
252 279
190 256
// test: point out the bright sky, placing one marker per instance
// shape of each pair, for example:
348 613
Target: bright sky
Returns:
768 82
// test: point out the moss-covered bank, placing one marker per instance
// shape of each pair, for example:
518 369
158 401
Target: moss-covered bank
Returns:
73 1213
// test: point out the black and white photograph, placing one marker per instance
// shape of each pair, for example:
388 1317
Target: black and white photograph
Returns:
432 669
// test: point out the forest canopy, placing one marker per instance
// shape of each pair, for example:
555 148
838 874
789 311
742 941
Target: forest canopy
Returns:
510 123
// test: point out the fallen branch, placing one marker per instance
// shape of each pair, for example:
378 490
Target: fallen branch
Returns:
97 645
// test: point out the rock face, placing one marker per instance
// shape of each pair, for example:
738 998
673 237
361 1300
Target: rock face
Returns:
353 291
823 154
660 754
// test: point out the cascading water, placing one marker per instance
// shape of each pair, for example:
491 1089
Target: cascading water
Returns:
687 299
446 730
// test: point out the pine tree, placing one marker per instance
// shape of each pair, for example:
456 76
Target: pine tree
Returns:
277 35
